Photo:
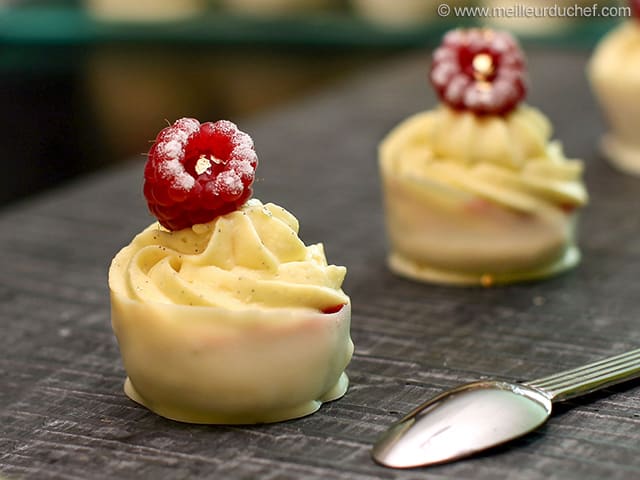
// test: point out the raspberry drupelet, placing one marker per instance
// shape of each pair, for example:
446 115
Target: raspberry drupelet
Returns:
197 172
479 70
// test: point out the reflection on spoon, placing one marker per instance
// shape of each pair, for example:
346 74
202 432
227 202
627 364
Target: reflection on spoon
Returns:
480 415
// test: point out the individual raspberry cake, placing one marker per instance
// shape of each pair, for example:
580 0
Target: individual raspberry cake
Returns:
475 191
614 72
222 313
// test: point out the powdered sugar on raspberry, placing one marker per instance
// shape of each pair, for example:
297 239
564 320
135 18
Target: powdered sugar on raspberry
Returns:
179 191
172 149
454 93
479 70
188 126
242 167
174 171
243 148
477 99
443 72
228 182
242 143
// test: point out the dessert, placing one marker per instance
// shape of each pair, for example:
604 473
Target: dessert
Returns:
475 191
222 314
401 14
144 10
277 8
614 72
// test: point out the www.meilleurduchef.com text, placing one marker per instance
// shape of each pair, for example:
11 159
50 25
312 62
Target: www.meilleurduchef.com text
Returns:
534 11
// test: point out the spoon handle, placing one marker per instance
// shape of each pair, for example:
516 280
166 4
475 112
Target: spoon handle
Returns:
588 378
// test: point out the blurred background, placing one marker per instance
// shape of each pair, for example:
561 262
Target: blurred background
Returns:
87 84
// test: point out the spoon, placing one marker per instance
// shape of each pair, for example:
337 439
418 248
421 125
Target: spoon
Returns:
479 415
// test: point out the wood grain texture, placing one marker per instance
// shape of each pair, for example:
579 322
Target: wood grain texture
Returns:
63 412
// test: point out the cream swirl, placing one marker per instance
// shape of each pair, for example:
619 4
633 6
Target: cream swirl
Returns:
509 160
617 57
248 258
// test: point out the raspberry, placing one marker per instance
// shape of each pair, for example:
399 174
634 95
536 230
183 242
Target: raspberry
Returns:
333 309
479 70
196 172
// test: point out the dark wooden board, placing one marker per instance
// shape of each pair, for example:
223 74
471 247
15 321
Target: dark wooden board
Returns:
62 410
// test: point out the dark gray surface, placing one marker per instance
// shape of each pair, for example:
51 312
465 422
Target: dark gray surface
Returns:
63 413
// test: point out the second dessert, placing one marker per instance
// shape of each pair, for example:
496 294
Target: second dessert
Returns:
476 191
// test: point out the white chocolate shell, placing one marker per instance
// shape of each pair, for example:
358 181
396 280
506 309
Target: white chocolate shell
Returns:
213 365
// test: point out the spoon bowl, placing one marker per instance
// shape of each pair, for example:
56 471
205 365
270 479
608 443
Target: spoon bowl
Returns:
462 421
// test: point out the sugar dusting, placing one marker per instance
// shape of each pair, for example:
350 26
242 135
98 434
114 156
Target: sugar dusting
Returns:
172 149
174 170
443 72
242 161
242 168
502 42
456 88
229 181
494 67
477 98
187 125
243 150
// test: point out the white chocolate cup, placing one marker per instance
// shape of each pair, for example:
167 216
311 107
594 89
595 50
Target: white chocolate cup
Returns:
217 366
613 73
144 10
621 106
396 14
269 8
471 241
622 155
